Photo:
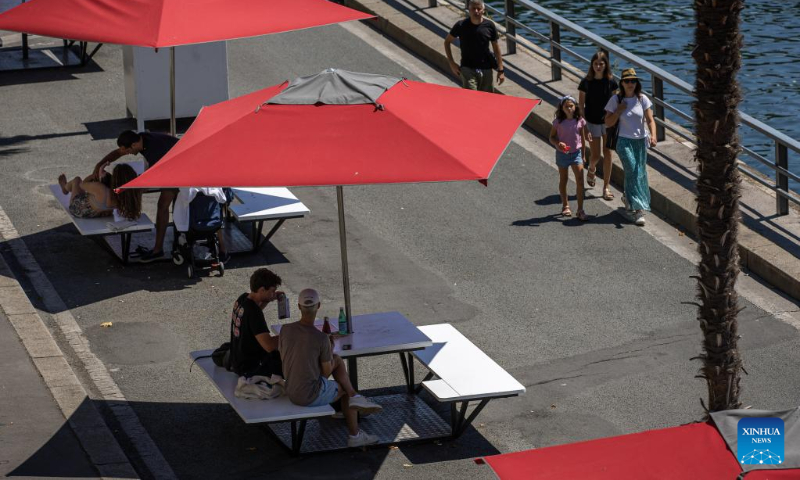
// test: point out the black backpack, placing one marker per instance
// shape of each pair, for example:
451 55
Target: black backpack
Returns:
221 357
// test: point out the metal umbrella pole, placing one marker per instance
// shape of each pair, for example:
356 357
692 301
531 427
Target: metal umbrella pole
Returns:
172 129
352 367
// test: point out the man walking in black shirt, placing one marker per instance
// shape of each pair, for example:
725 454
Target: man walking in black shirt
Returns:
476 34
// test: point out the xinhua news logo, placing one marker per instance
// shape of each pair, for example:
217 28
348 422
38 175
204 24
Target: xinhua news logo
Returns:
760 441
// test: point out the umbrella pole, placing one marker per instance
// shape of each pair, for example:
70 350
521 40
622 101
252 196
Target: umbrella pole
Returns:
343 244
352 367
172 129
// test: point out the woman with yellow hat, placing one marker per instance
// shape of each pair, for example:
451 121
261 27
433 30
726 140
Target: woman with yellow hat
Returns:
636 130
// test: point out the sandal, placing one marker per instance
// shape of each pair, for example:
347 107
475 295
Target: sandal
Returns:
582 215
590 177
607 194
566 211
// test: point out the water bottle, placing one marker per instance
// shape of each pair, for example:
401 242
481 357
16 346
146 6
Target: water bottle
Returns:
283 306
326 326
342 322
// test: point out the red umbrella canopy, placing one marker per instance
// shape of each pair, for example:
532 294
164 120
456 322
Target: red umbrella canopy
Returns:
379 130
168 23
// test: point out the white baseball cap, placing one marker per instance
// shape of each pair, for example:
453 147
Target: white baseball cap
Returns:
308 298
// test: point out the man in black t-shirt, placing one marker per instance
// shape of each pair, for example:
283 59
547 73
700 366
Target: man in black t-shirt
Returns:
254 351
153 146
476 34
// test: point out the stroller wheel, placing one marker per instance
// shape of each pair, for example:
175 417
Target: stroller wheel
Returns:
177 258
190 271
221 269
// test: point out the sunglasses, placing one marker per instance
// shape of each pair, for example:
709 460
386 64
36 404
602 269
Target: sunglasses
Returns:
630 81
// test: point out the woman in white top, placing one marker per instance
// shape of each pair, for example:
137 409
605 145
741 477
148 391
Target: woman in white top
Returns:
637 131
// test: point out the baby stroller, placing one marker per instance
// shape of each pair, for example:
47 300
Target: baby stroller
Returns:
205 220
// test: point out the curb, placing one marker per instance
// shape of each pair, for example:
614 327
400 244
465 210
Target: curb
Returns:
757 254
84 419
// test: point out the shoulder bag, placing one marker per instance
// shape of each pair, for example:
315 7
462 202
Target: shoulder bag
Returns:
612 132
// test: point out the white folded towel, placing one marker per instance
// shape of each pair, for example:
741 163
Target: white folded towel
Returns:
259 387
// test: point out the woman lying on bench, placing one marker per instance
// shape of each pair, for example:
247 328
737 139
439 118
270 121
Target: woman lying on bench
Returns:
90 197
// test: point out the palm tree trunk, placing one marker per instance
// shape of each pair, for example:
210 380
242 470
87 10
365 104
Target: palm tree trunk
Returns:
717 56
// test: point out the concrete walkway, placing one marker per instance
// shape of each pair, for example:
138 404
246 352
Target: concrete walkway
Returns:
769 244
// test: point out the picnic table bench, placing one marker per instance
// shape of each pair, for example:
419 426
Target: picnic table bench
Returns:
276 410
258 205
459 373
101 227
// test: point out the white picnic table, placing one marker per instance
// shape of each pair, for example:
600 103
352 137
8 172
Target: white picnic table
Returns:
268 203
458 363
374 334
104 226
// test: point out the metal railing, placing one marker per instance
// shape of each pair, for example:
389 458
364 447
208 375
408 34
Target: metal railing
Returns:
510 22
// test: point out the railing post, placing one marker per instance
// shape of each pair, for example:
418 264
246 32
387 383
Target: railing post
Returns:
658 92
555 51
781 180
511 29
432 3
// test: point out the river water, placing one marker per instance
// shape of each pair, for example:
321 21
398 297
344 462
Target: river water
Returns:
662 32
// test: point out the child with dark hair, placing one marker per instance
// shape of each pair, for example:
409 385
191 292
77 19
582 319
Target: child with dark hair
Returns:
567 136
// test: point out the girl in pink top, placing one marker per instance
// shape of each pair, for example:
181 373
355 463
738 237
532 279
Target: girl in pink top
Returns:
567 136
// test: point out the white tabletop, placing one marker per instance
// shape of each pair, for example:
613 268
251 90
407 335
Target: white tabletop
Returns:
267 203
376 333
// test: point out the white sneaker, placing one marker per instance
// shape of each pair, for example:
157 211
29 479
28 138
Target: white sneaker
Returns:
364 405
361 439
638 218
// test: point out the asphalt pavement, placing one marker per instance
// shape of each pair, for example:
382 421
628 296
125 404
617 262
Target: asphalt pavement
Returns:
591 317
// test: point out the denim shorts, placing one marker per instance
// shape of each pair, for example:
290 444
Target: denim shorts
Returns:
328 389
596 129
564 160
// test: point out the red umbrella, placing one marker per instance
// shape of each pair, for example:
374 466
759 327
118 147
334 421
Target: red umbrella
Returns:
341 128
689 452
169 23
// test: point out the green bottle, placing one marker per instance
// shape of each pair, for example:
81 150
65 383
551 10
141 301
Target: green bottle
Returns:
342 322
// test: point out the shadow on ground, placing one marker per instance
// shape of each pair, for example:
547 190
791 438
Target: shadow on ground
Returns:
54 74
102 276
208 440
110 129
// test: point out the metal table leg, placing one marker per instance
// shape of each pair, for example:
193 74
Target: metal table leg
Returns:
298 429
126 246
352 370
457 417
